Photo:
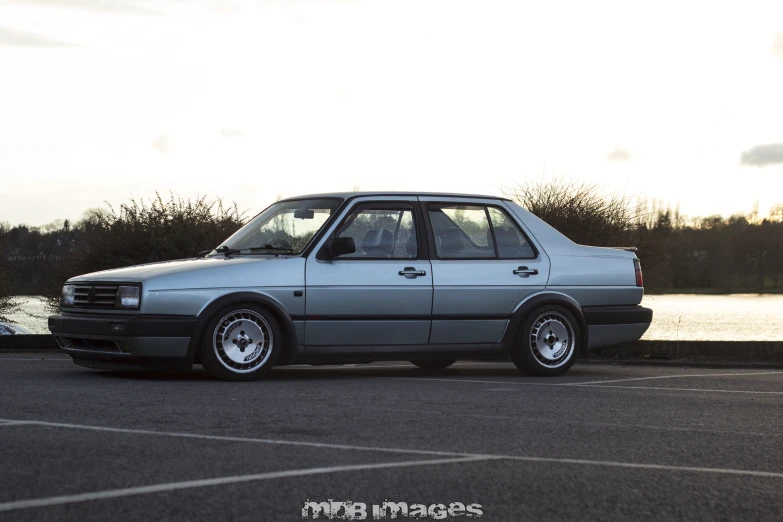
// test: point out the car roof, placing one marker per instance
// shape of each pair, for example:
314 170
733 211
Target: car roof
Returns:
347 195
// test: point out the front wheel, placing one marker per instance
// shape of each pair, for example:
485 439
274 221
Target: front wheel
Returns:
434 364
547 342
240 343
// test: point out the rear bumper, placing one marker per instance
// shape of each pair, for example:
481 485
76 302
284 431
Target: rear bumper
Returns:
603 315
124 341
611 325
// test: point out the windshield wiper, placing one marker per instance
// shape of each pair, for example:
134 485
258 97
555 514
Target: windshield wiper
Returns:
228 251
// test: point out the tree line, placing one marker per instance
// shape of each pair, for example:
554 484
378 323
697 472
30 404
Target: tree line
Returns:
741 253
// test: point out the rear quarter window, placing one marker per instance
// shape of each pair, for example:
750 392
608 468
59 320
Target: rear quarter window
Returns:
511 242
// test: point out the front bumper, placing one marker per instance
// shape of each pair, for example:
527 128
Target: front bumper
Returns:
611 325
113 341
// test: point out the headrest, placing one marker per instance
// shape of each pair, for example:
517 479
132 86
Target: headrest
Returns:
449 241
378 243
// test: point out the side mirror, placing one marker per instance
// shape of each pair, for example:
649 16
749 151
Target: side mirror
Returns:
336 247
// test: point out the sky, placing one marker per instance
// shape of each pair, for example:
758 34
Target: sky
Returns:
252 101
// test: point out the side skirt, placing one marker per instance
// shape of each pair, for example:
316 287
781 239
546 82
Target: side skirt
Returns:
354 354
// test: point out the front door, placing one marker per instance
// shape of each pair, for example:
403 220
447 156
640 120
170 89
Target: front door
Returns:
483 266
379 295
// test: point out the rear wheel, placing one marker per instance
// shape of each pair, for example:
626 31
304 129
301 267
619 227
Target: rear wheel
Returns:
240 343
547 342
434 364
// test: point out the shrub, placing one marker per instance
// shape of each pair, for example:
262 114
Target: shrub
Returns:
142 232
580 210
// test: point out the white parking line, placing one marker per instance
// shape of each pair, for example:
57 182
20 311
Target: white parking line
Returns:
219 481
454 455
658 467
576 385
539 420
12 423
225 438
703 390
740 374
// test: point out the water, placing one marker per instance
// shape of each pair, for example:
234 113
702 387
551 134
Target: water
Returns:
738 317
32 314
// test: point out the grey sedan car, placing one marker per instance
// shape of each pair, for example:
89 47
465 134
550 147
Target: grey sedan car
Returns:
359 277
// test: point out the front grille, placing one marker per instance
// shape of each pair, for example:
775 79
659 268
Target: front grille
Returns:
99 295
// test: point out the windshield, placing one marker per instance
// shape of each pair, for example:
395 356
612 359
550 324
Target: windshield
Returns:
285 227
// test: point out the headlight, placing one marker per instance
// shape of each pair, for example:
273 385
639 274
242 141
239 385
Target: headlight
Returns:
67 299
128 297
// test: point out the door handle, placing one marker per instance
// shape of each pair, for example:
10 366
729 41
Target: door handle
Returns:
410 272
524 271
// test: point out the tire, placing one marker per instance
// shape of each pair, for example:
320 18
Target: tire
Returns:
254 337
545 333
434 364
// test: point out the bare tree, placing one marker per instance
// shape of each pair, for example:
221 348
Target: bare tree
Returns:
581 210
776 213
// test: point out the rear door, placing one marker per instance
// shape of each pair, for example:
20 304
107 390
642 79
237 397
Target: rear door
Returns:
483 266
380 295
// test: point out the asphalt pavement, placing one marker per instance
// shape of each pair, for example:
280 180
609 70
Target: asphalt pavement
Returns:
603 442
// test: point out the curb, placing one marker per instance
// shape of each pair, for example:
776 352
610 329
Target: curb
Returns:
753 351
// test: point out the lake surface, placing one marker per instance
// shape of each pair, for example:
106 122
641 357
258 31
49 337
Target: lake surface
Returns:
738 317
32 315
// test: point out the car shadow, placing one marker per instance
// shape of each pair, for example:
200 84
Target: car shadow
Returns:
312 373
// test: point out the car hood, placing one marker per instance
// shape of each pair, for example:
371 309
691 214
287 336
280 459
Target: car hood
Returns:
208 272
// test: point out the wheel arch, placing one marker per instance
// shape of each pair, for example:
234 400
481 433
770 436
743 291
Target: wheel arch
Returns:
287 328
523 309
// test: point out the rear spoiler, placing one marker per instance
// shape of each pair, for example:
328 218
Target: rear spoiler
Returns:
627 249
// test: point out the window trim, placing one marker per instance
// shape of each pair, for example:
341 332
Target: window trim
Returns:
492 231
386 205
431 232
519 227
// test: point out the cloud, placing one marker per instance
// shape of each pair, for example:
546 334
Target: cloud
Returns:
777 46
763 155
619 154
104 6
162 144
14 38
232 133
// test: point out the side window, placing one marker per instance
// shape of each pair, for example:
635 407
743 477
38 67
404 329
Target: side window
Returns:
512 243
381 231
461 231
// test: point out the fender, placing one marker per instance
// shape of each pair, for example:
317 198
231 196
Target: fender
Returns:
286 323
524 308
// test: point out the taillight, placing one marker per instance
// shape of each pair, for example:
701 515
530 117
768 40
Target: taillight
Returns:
638 268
